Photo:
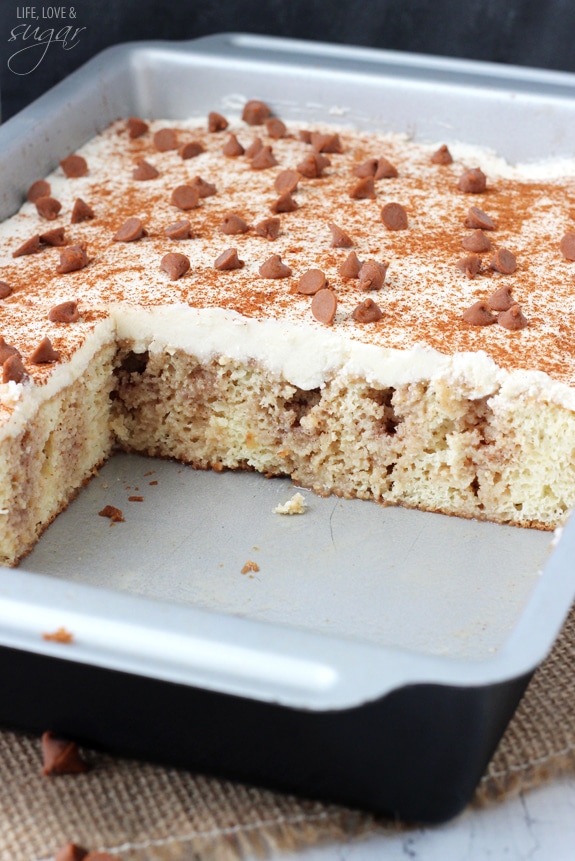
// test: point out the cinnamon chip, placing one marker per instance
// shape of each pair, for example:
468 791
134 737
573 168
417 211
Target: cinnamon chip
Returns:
185 197
469 265
311 281
232 224
254 148
204 188
472 181
44 354
476 242
385 169
174 265
479 315
255 112
512 319
394 216
351 266
74 166
264 159
30 246
232 147
442 155
216 122
55 237
477 219
305 136
71 852
274 268
81 211
367 312
228 259
40 188
165 139
48 207
5 290
339 238
284 203
7 350
144 171
131 230
276 128
567 246
191 149
326 142
324 306
13 370
113 513
269 228
287 180
72 258
366 168
503 261
313 165
178 230
372 275
364 189
61 756
65 312
501 300
136 127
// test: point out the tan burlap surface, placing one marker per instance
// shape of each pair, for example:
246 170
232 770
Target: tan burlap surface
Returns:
145 813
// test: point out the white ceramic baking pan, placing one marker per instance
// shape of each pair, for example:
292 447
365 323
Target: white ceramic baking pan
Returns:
377 654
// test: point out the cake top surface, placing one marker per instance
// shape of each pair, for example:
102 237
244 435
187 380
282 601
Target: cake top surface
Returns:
426 289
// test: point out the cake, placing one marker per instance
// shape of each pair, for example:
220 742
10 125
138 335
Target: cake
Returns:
374 317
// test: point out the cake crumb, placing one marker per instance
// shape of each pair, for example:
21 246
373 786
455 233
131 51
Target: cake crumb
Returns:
250 566
135 499
60 635
113 513
295 505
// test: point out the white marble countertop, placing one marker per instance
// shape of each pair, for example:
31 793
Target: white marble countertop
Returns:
537 825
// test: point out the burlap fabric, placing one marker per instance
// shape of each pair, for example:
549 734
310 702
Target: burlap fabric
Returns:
146 813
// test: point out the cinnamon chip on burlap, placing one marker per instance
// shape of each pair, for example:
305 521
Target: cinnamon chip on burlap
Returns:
61 756
136 127
70 852
175 265
72 258
74 166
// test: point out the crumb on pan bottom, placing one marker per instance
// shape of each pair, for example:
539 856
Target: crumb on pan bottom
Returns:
422 445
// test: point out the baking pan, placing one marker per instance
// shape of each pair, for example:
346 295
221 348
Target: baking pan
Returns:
377 654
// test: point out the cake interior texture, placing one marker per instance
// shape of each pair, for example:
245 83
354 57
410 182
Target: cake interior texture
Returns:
223 367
